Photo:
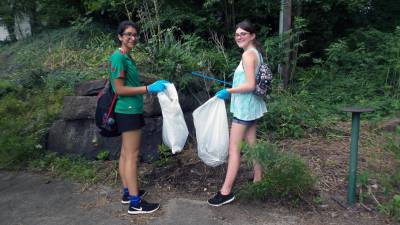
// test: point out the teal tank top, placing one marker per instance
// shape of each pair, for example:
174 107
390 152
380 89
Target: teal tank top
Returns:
246 106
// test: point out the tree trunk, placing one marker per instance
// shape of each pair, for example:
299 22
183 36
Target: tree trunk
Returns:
285 25
296 39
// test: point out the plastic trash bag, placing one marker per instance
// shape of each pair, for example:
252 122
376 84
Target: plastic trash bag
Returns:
174 130
212 134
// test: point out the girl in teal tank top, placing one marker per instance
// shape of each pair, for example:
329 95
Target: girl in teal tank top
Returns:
246 108
246 105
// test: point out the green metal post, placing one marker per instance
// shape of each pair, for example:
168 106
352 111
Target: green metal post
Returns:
355 127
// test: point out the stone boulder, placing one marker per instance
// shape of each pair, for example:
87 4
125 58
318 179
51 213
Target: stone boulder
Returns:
89 88
78 107
76 132
81 137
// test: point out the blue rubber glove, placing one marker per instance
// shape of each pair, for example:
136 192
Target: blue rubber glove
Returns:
157 86
223 94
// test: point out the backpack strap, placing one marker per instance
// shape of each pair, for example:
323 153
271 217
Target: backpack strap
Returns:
112 106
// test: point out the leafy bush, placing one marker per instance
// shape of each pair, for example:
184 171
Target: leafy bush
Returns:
103 155
362 69
25 118
289 116
164 155
173 59
39 71
393 142
285 175
394 208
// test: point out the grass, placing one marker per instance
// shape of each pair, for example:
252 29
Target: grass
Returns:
286 175
77 168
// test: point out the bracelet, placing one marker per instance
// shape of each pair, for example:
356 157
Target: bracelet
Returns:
147 91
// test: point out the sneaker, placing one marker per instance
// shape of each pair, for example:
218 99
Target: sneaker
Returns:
143 207
125 198
220 199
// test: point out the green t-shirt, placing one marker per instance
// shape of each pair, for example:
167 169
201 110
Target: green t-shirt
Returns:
123 67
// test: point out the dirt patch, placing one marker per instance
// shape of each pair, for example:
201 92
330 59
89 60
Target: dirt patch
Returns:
327 156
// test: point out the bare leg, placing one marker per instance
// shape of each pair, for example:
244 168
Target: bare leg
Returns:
131 144
236 137
251 140
121 167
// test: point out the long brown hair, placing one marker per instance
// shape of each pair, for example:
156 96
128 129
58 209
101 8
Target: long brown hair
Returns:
249 27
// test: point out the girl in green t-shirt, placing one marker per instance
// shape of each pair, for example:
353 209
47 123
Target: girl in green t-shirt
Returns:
125 82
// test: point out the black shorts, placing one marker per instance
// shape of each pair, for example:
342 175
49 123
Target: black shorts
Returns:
128 122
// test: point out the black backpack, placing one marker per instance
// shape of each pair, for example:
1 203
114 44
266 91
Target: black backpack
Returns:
104 117
263 80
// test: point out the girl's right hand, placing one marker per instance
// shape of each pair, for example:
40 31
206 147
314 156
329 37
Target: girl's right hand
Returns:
157 86
223 94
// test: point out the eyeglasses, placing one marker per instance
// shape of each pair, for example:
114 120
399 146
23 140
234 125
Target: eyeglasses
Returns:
130 35
241 34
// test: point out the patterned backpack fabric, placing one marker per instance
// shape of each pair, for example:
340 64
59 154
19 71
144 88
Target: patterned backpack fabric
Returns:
263 80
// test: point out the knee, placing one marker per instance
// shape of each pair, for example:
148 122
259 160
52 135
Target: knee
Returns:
132 154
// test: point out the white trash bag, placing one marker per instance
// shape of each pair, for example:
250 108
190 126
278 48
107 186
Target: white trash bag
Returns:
174 130
212 133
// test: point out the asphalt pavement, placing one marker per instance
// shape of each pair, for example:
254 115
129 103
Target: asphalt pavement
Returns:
35 199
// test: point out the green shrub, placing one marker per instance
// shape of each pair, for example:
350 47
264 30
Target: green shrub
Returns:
362 69
164 155
25 116
286 175
393 142
39 71
174 59
103 155
394 207
289 116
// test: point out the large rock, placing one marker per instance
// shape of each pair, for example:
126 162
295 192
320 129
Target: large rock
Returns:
151 139
81 137
76 132
190 125
188 102
78 107
151 106
89 88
